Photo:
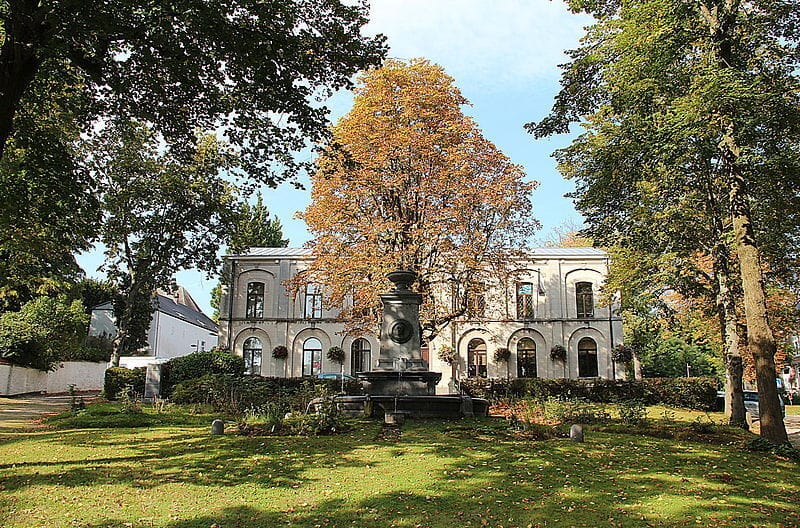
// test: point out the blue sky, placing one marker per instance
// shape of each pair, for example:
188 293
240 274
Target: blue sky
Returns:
503 55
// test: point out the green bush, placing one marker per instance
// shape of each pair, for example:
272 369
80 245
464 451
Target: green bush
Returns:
118 379
693 393
238 394
198 364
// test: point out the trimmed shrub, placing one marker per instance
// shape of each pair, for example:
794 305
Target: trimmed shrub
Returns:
237 394
199 364
118 379
693 393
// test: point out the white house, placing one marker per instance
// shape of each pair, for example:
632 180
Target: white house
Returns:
178 328
553 300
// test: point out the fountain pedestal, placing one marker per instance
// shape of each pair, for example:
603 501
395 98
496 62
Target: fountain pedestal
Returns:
400 381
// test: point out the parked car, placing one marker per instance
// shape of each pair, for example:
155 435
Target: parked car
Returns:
751 403
336 376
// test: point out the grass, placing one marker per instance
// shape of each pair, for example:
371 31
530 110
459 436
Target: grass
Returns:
793 410
169 472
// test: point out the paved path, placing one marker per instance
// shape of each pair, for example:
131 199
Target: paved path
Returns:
793 429
21 412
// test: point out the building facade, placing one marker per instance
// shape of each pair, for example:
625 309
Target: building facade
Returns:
177 328
550 299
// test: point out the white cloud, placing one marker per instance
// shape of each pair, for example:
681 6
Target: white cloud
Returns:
495 43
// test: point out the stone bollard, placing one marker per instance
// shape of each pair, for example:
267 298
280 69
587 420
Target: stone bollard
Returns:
217 427
394 418
576 433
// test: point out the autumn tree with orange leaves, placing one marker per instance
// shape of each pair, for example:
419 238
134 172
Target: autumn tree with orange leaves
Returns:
409 182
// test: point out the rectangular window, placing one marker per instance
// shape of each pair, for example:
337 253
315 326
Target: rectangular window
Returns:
255 300
524 300
313 302
476 304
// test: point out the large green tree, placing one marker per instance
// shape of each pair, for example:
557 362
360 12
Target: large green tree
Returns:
246 67
162 215
690 106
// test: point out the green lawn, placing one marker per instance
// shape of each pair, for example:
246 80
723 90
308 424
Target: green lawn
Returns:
471 473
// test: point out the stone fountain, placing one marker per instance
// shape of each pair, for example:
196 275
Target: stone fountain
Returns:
400 383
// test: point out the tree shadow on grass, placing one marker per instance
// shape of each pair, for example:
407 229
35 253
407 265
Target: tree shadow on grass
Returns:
467 479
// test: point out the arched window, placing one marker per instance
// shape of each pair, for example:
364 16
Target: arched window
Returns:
584 300
587 358
312 357
526 358
255 300
251 351
360 358
524 300
476 358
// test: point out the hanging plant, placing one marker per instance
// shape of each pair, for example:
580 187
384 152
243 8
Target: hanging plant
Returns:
280 352
502 354
622 354
336 354
447 354
558 353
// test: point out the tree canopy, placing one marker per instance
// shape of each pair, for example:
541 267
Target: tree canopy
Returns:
408 181
248 68
692 120
161 216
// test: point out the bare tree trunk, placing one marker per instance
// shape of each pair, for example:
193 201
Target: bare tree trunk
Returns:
726 309
760 338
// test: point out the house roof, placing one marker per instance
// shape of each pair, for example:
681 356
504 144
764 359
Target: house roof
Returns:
167 305
542 252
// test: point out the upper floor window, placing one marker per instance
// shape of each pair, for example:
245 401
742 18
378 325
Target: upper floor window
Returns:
524 300
526 358
584 299
313 302
476 358
251 351
476 304
255 300
587 358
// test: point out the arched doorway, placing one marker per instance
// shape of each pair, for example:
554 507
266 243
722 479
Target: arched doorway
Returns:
526 358
476 358
312 356
251 352
587 358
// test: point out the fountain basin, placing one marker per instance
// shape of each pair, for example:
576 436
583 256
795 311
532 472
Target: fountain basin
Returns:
400 382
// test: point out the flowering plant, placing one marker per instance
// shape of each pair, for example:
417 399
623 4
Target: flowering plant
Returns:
558 352
280 352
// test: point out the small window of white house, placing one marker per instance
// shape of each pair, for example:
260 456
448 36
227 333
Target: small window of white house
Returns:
476 358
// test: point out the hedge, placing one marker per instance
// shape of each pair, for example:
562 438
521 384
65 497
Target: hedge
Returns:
117 379
240 393
198 364
692 393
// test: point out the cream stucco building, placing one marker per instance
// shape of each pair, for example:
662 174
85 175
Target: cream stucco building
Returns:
552 298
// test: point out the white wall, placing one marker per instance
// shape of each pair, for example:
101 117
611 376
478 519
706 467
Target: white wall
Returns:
174 337
84 375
